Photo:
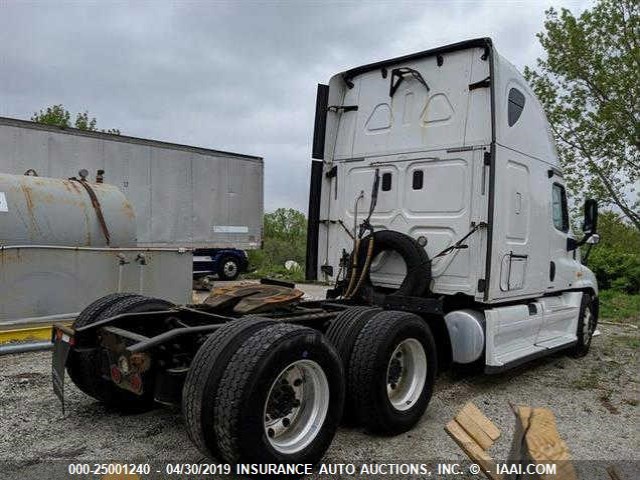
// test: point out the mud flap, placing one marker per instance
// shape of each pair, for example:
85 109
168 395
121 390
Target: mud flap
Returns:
62 343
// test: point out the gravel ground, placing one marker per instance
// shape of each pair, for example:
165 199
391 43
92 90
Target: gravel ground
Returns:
595 400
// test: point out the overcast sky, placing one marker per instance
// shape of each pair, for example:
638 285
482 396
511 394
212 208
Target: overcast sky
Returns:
237 76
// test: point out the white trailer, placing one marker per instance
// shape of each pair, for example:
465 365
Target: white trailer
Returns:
183 196
468 169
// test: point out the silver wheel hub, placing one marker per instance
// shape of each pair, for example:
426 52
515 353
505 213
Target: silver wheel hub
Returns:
230 268
406 374
296 406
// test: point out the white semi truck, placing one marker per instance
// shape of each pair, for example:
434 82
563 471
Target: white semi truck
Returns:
469 171
438 209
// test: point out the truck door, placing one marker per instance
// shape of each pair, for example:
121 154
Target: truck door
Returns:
561 264
559 312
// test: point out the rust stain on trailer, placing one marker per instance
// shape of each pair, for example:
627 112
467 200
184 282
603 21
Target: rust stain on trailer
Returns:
73 186
28 196
128 210
10 257
87 222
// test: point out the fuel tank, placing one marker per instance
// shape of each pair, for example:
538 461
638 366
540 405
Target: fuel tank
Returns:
50 211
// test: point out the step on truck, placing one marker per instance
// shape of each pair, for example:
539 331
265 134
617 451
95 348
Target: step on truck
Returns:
438 212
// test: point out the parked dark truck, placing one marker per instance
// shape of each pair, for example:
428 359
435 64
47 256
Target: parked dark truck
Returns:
437 209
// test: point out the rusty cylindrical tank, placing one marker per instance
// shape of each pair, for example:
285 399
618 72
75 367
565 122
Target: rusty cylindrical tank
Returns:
50 211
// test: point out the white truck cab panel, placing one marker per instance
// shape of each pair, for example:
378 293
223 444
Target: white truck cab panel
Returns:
523 331
464 156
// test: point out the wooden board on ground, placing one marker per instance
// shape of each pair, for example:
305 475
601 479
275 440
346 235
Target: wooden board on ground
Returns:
536 440
472 449
475 434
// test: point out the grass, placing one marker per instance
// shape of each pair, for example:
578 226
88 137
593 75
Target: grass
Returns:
617 306
277 273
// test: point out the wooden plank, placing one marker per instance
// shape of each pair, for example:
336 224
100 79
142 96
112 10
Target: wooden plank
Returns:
472 449
542 443
474 430
483 422
613 473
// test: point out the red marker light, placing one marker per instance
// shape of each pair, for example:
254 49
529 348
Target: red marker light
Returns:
136 383
116 375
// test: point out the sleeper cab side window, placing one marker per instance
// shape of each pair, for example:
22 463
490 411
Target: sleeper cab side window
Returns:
515 106
559 208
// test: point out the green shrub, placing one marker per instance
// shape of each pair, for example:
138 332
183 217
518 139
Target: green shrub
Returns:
618 306
284 238
616 259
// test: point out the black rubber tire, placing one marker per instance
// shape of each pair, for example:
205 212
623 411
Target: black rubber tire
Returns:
368 371
342 333
90 371
204 376
584 338
416 282
80 356
221 273
245 385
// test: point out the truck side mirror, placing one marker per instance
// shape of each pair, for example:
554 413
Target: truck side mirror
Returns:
590 225
594 239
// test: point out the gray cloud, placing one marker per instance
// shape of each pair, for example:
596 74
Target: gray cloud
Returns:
237 76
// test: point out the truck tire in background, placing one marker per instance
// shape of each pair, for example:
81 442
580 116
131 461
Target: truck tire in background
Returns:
203 378
587 323
84 362
229 268
342 333
392 371
280 398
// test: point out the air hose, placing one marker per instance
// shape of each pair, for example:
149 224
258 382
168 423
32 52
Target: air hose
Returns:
365 226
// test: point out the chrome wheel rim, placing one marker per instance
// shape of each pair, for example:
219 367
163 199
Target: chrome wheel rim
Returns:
406 374
296 406
230 269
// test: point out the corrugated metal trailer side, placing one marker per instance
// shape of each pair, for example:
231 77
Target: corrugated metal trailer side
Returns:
182 196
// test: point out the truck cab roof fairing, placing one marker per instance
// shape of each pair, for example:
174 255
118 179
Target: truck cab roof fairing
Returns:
486 42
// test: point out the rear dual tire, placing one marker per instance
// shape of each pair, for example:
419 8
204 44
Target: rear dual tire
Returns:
390 362
343 333
203 379
84 363
275 396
